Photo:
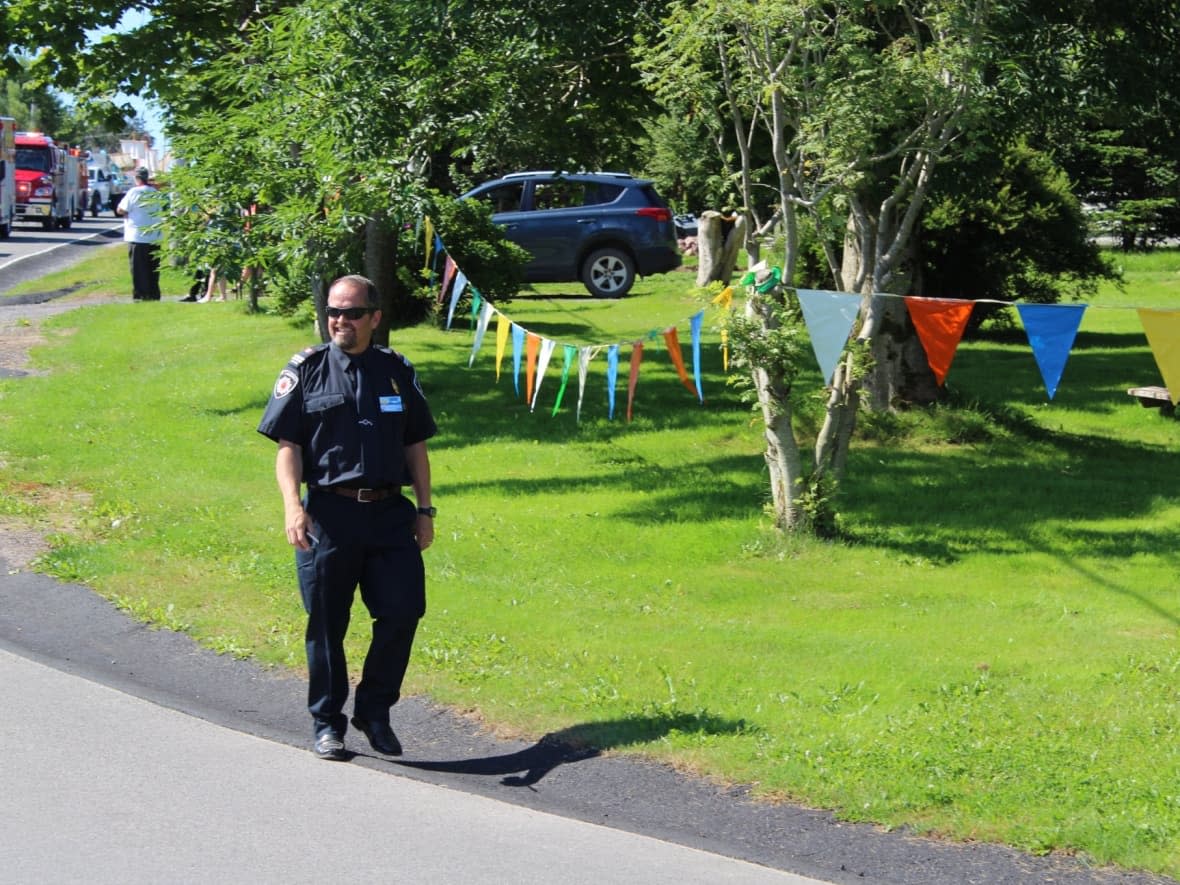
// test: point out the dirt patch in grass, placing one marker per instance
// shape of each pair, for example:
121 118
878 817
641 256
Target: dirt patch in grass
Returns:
20 325
22 540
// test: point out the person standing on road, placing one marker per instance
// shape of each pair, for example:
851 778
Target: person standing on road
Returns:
142 211
351 422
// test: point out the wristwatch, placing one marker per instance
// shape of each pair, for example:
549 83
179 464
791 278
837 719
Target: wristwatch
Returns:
428 511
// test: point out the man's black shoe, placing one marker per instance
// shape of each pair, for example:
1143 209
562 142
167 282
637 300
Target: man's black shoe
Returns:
380 735
330 746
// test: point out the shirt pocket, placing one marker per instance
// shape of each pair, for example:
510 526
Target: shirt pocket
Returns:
325 419
322 403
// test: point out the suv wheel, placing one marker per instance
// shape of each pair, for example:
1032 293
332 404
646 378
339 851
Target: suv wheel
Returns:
608 273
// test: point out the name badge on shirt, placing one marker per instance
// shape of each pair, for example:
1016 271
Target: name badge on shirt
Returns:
391 404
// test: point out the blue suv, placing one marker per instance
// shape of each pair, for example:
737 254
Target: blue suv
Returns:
599 228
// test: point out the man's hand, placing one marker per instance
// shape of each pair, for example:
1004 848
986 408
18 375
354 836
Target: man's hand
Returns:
299 526
424 531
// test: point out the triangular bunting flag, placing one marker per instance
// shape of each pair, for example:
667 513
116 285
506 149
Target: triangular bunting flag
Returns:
547 347
696 352
531 347
584 356
672 341
829 317
940 323
456 291
476 304
1051 329
481 327
612 376
503 325
1163 335
570 352
429 228
448 272
517 346
633 380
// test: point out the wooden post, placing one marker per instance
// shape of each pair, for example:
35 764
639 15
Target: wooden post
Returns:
719 236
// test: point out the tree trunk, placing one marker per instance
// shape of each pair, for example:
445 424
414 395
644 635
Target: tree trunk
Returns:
900 372
718 239
783 460
381 268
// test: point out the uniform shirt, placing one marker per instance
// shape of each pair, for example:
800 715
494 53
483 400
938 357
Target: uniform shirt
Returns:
314 405
144 206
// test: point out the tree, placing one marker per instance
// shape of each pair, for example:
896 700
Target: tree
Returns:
342 156
1110 101
859 104
172 40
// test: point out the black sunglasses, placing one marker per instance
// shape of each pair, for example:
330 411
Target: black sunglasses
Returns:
352 313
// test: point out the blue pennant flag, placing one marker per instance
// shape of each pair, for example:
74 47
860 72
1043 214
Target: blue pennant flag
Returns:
1051 329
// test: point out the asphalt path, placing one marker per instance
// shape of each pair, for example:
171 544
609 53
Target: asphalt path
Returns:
31 252
135 755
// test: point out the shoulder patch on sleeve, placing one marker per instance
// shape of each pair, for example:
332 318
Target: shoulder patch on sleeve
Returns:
287 381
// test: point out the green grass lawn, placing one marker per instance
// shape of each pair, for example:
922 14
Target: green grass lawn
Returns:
990 653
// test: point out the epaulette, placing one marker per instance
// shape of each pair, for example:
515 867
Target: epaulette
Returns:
304 354
391 352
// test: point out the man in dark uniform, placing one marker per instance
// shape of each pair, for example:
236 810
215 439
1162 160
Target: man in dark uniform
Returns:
352 423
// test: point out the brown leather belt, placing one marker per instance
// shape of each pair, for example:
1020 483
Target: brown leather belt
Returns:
363 495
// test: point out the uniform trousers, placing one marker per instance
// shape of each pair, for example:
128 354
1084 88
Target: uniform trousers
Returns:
145 270
370 545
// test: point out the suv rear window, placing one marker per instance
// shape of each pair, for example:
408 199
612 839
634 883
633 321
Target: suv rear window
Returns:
597 194
653 198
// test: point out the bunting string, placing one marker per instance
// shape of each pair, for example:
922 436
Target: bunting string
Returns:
828 316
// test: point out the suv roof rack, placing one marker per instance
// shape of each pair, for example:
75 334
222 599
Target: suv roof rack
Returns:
627 175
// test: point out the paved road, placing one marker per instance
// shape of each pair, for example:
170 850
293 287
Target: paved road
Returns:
126 791
31 252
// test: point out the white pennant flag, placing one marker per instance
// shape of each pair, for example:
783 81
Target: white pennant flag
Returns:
542 364
485 317
456 290
584 356
829 317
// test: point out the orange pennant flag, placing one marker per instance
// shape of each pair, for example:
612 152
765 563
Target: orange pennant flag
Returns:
672 340
940 323
636 358
1163 335
532 344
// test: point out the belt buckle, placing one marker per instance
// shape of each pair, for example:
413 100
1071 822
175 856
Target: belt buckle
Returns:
367 496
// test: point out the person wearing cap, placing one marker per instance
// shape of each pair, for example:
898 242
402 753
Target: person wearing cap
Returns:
142 209
351 423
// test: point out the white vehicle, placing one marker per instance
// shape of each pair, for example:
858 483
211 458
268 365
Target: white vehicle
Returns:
7 175
107 184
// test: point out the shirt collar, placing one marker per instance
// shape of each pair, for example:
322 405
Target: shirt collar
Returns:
347 360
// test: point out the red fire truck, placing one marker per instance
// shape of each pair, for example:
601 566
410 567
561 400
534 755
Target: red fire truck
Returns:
42 182
79 183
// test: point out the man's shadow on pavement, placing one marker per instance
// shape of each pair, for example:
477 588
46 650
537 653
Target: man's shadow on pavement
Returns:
580 742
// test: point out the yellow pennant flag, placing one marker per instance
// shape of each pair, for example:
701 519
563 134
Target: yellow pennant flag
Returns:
502 328
724 298
1163 335
428 225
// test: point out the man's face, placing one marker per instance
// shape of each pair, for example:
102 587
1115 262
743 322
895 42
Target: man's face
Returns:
351 336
